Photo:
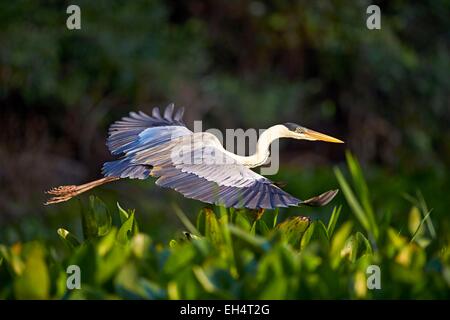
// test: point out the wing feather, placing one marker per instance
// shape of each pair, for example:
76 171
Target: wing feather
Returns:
226 183
148 145
139 131
128 129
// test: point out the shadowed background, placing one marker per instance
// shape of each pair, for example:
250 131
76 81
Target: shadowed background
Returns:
246 64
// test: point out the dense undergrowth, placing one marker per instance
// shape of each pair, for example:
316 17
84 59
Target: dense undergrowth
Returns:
228 253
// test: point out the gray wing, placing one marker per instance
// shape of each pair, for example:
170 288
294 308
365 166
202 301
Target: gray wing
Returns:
133 131
140 131
205 172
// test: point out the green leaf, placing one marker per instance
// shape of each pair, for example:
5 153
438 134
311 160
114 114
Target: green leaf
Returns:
102 216
241 220
316 232
212 229
350 249
362 208
355 247
426 213
140 245
396 240
256 242
414 222
261 228
425 218
59 281
423 242
333 220
354 204
270 218
338 242
126 282
69 239
127 230
173 243
96 219
181 256
320 234
112 261
88 222
274 289
86 257
306 238
106 243
275 217
201 222
223 211
292 229
14 261
228 247
364 246
358 178
123 214
203 279
34 282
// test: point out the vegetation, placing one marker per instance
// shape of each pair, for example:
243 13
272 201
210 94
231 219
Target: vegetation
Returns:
233 64
243 254
241 64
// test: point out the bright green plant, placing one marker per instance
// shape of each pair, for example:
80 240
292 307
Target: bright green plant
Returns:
244 254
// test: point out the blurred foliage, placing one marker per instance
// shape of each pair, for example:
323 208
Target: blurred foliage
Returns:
232 64
231 253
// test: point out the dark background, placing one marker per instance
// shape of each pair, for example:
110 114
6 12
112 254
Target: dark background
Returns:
246 64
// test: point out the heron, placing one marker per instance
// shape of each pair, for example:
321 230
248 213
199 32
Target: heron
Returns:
145 148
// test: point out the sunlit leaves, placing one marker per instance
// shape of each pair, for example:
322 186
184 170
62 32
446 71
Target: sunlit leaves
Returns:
234 253
292 229
127 230
70 240
96 218
34 281
333 220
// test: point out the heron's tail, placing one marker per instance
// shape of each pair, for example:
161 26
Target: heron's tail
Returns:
321 200
64 193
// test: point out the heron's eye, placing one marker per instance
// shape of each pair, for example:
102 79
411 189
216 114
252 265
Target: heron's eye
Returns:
300 130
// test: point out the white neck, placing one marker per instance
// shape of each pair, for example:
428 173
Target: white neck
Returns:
262 147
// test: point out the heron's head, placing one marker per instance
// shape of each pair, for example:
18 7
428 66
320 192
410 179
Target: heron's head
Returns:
298 132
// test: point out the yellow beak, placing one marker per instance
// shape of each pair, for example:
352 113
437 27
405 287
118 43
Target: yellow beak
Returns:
314 135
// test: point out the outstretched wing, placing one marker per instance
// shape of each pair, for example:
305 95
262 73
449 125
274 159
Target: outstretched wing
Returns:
140 128
198 167
140 131
150 145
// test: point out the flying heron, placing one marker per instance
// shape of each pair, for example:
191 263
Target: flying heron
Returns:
146 144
